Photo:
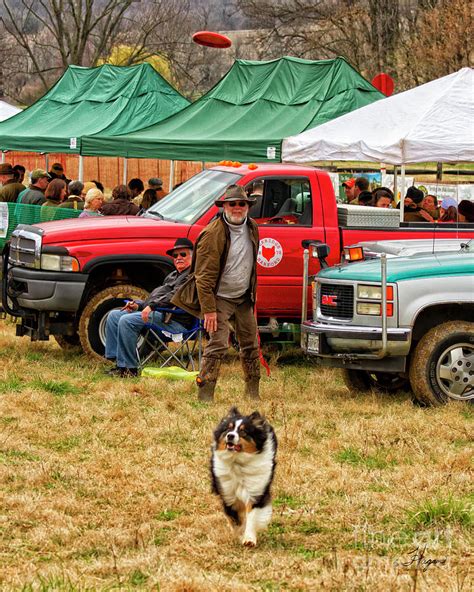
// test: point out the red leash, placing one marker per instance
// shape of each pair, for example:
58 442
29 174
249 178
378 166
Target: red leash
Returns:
263 361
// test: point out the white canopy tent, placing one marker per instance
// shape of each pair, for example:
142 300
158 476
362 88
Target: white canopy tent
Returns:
432 122
7 110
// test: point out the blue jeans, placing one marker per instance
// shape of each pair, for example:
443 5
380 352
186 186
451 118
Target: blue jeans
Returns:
123 330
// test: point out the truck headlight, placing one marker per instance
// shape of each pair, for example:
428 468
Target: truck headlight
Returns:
373 292
369 308
59 263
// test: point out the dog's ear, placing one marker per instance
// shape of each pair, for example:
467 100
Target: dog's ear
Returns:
233 411
255 415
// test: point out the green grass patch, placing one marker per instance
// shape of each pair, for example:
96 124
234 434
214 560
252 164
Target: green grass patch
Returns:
284 500
169 515
13 456
449 511
57 388
138 578
309 528
354 457
13 384
65 444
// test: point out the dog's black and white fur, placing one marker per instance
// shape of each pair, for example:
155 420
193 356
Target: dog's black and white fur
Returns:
242 468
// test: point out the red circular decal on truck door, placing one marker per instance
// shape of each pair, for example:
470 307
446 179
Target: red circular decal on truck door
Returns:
270 252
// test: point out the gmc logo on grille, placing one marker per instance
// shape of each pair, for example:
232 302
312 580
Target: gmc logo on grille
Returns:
329 300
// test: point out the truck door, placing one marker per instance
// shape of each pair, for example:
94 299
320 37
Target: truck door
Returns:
285 215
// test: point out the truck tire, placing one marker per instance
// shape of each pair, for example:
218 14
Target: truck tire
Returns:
442 365
362 381
94 316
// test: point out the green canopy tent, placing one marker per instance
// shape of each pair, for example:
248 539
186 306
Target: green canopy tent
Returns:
107 99
248 113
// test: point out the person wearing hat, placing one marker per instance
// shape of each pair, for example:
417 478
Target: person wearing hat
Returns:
124 326
34 194
156 184
10 187
413 212
348 187
448 211
225 284
57 172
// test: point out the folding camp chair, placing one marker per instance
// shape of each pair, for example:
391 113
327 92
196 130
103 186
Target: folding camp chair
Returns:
168 346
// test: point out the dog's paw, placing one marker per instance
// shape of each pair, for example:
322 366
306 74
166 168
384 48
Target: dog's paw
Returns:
249 541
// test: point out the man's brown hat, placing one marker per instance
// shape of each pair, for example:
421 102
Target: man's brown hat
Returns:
235 193
6 169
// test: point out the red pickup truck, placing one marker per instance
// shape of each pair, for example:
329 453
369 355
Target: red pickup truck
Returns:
62 278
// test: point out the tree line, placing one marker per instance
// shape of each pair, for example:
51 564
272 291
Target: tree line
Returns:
413 40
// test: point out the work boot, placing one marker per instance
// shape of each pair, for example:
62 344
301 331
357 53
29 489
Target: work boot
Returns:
207 378
206 391
251 368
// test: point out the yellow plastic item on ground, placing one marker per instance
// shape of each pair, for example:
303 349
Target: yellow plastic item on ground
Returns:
171 372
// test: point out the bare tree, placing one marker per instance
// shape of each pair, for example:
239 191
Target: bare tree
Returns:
56 33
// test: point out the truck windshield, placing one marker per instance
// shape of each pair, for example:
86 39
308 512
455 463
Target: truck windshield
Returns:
188 202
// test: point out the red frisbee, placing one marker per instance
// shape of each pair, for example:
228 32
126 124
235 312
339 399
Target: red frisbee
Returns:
211 39
384 83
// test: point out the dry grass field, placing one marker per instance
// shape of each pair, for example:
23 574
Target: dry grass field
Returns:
105 486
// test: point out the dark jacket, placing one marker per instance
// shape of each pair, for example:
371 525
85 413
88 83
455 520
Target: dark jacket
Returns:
32 196
198 295
161 296
73 202
10 191
119 207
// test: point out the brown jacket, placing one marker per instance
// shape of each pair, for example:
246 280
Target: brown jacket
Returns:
119 207
198 295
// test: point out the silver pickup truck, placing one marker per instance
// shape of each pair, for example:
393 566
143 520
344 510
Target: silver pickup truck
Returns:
398 321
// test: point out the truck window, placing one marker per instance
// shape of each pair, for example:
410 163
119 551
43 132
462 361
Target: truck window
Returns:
281 201
188 202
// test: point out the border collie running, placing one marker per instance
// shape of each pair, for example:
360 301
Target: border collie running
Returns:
242 467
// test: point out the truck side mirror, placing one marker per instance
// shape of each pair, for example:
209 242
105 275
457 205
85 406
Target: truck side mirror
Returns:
318 249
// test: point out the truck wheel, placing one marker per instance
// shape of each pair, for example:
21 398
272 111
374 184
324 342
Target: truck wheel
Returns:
94 316
384 382
442 366
68 342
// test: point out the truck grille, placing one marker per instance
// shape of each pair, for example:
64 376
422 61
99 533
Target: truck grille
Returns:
25 247
337 300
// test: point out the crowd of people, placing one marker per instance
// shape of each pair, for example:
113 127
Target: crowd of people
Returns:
418 206
53 189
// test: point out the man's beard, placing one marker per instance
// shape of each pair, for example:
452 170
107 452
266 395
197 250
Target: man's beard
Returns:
235 219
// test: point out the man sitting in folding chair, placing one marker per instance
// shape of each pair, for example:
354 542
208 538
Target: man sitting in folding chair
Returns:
124 326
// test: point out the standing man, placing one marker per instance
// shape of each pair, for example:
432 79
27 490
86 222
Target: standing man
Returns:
10 188
156 184
226 282
34 194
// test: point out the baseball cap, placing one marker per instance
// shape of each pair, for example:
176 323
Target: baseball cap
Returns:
6 169
349 183
39 174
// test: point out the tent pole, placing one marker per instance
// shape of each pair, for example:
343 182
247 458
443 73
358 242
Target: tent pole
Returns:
46 162
3 156
203 165
125 171
81 168
402 193
395 182
172 162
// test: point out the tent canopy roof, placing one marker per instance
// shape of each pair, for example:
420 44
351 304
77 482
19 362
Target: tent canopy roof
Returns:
253 107
432 122
111 99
